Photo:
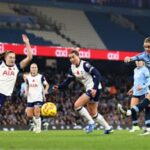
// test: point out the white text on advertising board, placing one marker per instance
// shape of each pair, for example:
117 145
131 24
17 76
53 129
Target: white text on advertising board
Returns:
61 53
113 56
85 54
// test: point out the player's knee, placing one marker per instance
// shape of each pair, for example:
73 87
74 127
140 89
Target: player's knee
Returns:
76 105
29 112
29 115
92 113
92 110
37 115
77 108
148 96
37 112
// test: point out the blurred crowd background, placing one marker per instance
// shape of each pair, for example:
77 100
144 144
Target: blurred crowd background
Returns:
114 91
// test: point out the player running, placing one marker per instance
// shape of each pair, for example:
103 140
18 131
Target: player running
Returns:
37 87
144 56
139 90
90 78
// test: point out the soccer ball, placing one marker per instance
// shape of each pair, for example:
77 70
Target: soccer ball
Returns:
49 109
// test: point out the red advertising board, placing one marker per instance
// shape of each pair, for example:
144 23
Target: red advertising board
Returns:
51 51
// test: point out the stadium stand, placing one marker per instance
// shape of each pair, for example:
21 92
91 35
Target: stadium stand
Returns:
115 3
114 35
14 24
5 9
144 4
50 35
64 26
14 36
75 25
142 23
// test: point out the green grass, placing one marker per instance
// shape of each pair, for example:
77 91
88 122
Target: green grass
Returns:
73 140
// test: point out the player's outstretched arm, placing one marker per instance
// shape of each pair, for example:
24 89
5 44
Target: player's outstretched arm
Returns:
29 56
127 59
130 92
140 56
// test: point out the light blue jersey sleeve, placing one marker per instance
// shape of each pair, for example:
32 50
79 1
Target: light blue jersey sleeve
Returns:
138 57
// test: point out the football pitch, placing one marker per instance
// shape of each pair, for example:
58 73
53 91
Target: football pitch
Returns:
73 140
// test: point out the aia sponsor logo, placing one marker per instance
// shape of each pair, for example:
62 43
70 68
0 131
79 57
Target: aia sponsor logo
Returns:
9 72
33 85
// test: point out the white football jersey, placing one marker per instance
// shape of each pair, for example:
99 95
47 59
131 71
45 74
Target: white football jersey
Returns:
35 88
83 76
8 76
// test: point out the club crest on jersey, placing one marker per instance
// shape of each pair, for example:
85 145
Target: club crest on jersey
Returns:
80 75
8 73
78 72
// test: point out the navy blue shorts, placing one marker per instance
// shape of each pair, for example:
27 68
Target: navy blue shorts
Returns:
96 98
37 103
2 99
141 97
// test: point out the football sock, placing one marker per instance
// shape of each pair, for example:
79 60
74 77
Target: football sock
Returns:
31 122
142 105
147 117
100 120
134 119
38 123
83 112
138 108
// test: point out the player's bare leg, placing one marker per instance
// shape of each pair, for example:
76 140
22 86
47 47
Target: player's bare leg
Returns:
79 106
135 127
98 118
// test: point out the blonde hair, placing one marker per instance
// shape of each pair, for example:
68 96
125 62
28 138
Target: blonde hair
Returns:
147 40
4 54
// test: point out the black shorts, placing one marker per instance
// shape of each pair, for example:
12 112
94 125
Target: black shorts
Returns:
37 103
2 99
96 98
141 97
